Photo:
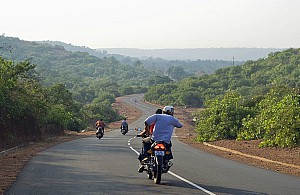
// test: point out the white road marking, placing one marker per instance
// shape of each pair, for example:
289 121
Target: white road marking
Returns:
129 141
110 138
177 176
134 150
132 100
191 183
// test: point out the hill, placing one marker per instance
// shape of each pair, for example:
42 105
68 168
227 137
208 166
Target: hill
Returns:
257 100
47 89
243 94
160 64
250 79
76 69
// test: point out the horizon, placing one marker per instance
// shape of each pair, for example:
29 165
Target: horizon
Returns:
163 48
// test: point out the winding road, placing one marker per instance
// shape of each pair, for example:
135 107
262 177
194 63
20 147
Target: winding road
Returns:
109 166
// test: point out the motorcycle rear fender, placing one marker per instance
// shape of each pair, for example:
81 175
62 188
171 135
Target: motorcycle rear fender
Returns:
157 143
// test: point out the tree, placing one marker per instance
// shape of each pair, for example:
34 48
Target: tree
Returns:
190 98
155 80
222 118
177 73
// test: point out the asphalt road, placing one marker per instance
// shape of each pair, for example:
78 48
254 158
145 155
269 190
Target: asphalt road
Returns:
109 166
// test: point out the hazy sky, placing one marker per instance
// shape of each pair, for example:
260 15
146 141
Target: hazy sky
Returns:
152 24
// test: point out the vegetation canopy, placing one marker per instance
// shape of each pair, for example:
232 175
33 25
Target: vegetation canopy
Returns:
48 89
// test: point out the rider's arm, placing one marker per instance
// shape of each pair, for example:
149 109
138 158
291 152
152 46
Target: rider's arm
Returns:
177 123
147 128
145 132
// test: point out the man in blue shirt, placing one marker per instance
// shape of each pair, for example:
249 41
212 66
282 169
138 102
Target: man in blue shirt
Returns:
163 129
164 124
124 125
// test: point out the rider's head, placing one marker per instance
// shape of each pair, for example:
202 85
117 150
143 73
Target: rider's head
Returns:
168 110
158 111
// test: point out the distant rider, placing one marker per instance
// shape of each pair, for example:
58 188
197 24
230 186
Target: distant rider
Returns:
100 123
124 125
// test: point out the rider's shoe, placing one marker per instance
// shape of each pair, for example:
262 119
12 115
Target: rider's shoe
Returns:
145 160
141 169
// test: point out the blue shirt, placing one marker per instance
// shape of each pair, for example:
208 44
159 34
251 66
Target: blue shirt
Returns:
124 123
164 126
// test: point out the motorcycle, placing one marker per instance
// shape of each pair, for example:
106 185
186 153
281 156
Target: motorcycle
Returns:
99 132
157 162
124 130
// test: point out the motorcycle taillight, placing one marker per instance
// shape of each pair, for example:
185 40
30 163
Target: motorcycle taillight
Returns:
159 147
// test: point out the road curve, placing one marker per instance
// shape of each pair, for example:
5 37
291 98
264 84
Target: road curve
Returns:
109 166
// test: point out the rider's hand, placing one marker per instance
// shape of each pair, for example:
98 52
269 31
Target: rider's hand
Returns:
142 134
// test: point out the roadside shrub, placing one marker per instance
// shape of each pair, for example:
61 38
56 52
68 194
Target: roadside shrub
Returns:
222 118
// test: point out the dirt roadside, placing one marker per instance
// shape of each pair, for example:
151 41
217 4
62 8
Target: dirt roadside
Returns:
281 160
277 159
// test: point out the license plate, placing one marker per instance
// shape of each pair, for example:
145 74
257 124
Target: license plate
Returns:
159 153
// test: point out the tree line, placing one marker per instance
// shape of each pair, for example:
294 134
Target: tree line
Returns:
69 90
30 110
257 100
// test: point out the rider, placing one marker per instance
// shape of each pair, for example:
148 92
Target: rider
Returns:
147 136
151 127
163 129
100 123
124 124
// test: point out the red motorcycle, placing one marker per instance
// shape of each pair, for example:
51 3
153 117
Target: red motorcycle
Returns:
157 163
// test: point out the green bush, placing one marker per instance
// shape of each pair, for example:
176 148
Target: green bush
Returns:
280 121
222 118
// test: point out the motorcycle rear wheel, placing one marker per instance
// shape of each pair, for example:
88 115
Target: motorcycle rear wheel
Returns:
158 170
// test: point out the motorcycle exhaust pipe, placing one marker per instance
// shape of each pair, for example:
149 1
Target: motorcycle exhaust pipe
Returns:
170 164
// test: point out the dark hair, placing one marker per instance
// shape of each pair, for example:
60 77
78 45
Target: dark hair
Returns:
158 111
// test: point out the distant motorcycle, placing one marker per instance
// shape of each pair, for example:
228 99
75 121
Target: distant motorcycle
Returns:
124 129
157 162
99 132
